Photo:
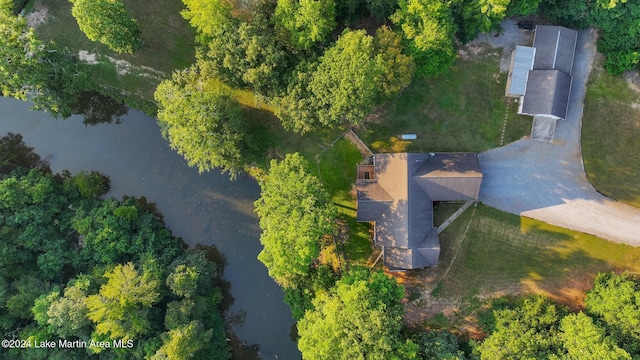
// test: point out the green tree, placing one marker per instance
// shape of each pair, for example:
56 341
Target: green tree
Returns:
396 69
307 21
360 318
584 340
438 345
120 310
108 22
478 16
188 342
428 26
203 124
35 71
92 184
295 214
529 331
209 17
247 54
118 232
523 7
615 300
350 79
344 84
65 316
296 109
382 9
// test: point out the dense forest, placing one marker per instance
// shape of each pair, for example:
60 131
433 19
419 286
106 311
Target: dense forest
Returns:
104 276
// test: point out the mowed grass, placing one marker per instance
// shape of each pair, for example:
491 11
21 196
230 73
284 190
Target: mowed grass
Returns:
462 110
611 137
168 43
338 172
499 252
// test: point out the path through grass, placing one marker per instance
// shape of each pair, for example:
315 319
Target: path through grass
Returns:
168 44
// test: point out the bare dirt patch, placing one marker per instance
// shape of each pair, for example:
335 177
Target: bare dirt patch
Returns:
87 57
507 39
38 17
633 81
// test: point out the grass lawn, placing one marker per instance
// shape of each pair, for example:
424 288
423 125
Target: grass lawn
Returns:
487 253
443 211
462 110
504 252
338 172
611 137
168 43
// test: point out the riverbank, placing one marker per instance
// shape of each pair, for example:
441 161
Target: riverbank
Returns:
206 209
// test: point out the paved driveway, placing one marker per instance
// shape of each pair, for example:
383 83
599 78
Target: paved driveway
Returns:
546 181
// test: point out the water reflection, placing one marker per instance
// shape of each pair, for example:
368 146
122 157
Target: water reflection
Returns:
98 109
201 208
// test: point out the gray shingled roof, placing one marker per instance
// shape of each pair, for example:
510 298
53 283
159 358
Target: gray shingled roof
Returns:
522 63
555 47
400 201
547 93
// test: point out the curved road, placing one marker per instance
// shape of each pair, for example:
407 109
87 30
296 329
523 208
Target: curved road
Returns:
547 182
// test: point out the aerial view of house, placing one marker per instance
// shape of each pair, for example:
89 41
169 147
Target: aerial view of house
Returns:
320 179
397 191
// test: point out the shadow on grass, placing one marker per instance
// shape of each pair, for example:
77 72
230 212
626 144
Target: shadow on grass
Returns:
611 137
338 172
503 253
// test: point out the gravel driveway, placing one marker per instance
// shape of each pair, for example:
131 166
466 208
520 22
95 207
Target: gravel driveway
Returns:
546 181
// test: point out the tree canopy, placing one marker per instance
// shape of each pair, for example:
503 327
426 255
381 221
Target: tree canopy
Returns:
201 122
295 214
108 22
584 340
349 80
534 328
120 310
529 331
79 267
307 21
360 318
429 28
615 301
33 70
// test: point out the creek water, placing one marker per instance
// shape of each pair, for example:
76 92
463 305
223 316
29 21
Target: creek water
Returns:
201 208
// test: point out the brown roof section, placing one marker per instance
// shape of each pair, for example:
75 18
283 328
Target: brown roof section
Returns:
400 201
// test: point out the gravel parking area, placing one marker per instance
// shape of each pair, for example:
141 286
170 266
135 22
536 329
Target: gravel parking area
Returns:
546 180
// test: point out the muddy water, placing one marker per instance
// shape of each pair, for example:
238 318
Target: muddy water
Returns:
200 208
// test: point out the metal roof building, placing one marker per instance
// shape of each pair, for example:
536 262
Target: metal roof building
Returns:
545 88
522 63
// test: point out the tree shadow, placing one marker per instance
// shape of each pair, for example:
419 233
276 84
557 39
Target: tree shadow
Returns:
14 153
99 109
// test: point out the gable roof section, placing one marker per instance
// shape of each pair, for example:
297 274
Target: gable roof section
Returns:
547 93
555 47
402 207
522 63
450 176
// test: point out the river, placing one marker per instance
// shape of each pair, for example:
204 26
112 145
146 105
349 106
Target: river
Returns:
201 208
